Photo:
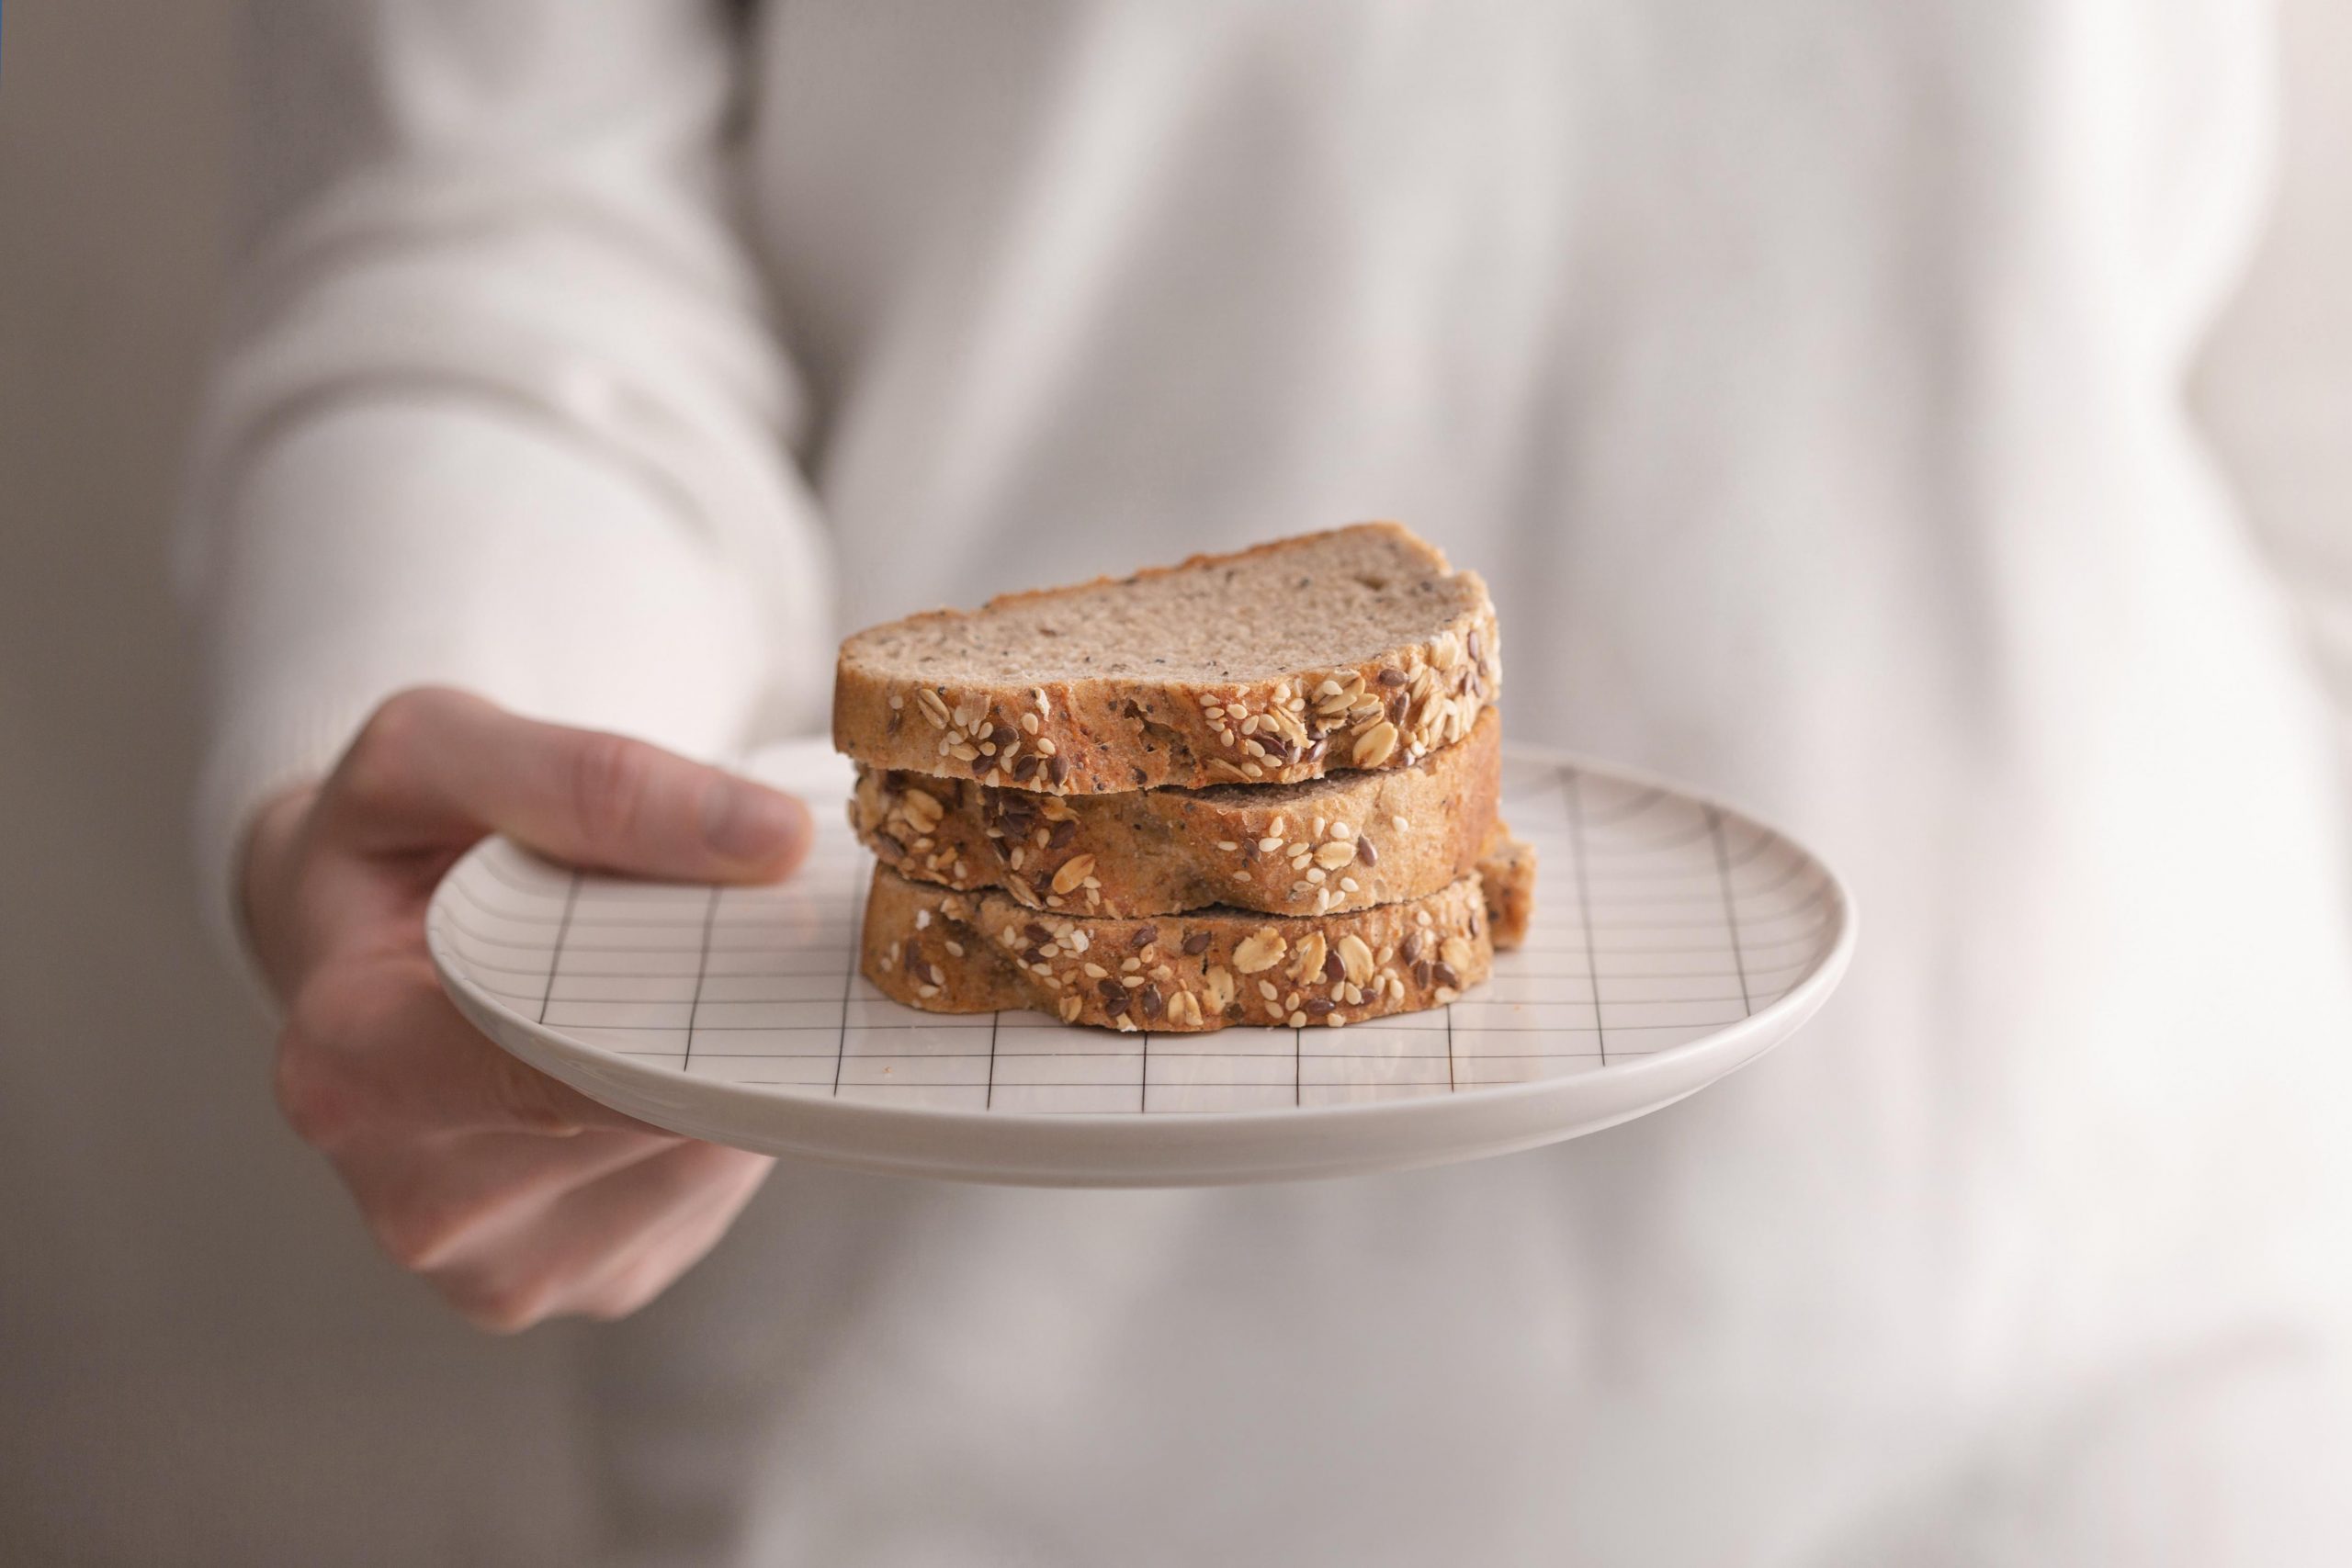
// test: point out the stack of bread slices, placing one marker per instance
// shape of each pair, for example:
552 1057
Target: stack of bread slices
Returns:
1251 789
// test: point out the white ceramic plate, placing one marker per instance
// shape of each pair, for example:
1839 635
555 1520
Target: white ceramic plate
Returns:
1674 939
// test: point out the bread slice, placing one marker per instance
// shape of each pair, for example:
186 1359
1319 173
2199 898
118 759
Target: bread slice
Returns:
1341 842
933 948
1507 871
1359 648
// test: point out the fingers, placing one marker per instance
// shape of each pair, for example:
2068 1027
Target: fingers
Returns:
374 1051
516 1196
636 1274
432 763
605 1246
429 1201
668 1254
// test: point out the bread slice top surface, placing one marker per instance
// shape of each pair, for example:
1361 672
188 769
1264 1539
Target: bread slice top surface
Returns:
1338 597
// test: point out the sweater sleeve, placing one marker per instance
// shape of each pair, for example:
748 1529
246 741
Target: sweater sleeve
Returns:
499 406
2275 381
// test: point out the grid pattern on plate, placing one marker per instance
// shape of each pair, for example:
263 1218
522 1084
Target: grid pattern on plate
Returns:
1658 920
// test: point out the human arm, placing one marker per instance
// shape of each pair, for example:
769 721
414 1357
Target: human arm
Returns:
498 409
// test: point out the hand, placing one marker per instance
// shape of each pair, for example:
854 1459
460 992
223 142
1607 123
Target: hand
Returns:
516 1197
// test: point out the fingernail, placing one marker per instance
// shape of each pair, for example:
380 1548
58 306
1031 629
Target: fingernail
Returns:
746 823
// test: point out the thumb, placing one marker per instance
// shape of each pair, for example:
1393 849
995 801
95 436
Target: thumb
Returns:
434 762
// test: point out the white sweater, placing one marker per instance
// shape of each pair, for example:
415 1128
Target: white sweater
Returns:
1807 380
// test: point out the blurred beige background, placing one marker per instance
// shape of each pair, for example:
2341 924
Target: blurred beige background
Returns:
200 1358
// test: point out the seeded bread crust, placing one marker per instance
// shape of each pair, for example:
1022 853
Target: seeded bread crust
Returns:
1343 843
1098 735
942 951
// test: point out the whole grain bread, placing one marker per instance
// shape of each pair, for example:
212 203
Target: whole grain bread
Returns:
1507 875
933 948
1507 871
1357 648
1346 841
